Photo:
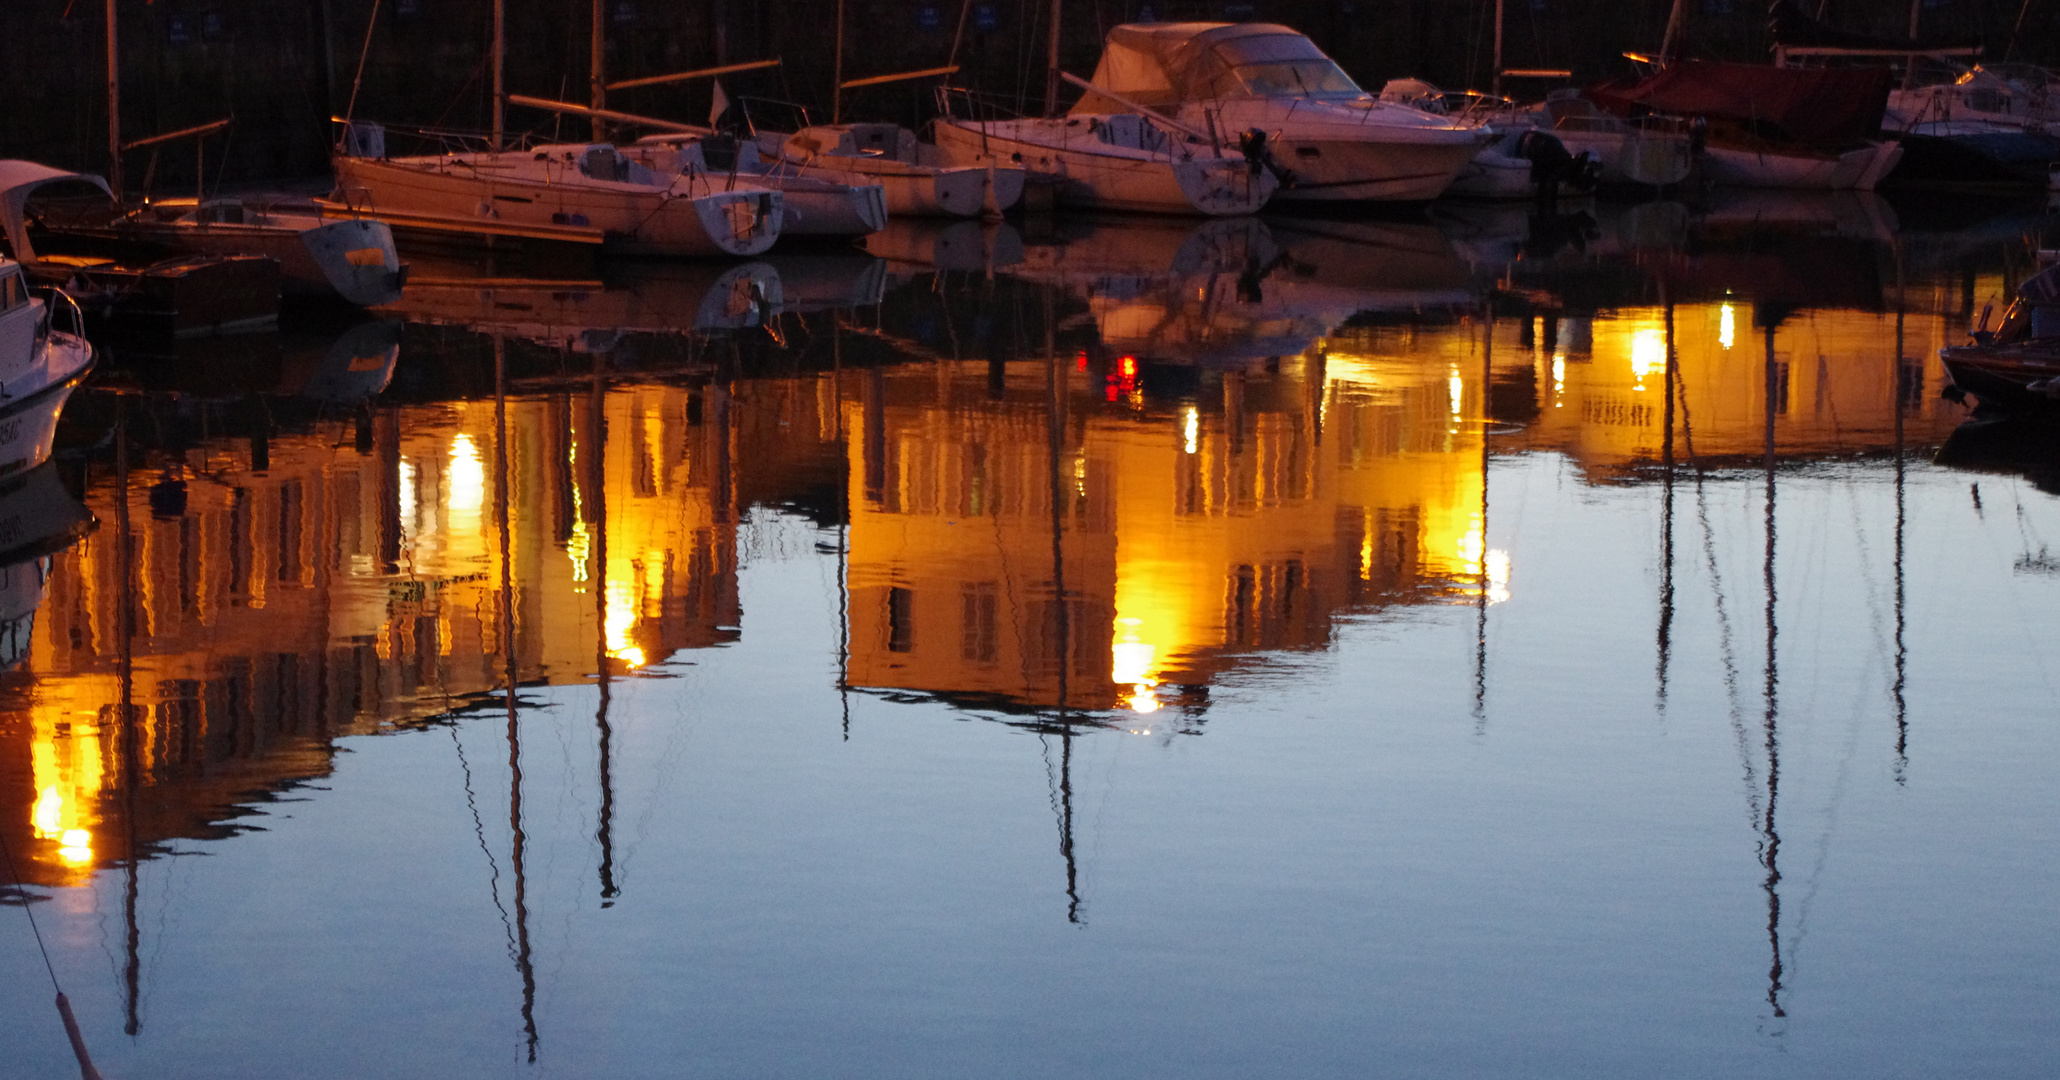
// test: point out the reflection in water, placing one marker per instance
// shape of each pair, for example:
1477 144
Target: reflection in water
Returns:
1104 474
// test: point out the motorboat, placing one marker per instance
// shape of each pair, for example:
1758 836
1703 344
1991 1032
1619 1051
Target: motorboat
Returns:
2016 365
579 193
1772 127
64 229
1338 142
915 176
1126 161
347 258
43 356
1990 127
814 204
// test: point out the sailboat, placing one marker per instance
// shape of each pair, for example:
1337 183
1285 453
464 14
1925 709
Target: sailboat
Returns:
579 193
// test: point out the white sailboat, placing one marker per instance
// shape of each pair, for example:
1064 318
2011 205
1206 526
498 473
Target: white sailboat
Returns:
1340 143
917 178
579 193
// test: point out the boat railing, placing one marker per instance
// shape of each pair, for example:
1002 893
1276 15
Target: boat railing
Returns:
58 302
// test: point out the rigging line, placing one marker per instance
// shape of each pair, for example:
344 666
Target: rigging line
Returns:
479 830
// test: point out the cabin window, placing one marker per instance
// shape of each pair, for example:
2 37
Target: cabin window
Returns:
13 293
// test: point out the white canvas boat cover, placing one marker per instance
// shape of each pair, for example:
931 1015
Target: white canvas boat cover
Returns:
1164 64
18 181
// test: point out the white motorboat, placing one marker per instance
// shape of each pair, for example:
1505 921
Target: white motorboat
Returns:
1339 143
43 356
916 177
1115 162
580 193
351 258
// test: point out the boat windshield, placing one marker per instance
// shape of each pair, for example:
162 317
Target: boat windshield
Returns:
1288 78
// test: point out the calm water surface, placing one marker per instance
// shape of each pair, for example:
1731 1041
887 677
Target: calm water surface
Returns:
1480 646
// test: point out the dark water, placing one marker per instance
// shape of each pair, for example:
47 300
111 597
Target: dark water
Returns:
1483 646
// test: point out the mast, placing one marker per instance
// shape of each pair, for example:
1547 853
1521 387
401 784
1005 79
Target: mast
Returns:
1666 523
1055 426
1677 29
594 455
1902 719
523 966
1770 836
114 105
500 89
1480 651
837 70
125 668
597 63
1496 74
1051 64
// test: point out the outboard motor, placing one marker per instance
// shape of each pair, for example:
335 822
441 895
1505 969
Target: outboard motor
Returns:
1252 143
1552 165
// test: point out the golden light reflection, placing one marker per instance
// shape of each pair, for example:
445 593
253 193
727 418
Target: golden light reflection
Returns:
1558 380
1191 429
65 767
621 618
1131 664
1727 325
1648 354
1456 388
467 482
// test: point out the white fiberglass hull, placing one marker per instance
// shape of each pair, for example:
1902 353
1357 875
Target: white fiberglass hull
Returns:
504 189
1854 170
1091 175
1348 151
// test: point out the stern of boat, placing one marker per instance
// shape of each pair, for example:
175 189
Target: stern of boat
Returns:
357 258
1224 187
741 222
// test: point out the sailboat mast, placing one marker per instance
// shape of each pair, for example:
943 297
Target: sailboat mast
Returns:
500 50
837 70
1677 27
597 63
1496 74
114 105
1051 64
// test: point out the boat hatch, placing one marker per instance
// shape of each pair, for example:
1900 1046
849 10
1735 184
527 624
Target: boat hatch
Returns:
221 212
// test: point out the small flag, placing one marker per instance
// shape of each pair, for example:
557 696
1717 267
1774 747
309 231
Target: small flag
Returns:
718 106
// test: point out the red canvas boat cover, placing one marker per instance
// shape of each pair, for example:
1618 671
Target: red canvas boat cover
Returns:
1812 107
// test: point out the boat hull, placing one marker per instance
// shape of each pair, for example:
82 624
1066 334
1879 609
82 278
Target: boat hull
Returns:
449 195
1345 170
2018 378
1088 178
1854 170
353 260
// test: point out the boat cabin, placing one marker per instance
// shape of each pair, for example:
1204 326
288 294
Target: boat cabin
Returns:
1161 65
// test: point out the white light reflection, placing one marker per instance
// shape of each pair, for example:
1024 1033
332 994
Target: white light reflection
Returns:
1191 428
1727 325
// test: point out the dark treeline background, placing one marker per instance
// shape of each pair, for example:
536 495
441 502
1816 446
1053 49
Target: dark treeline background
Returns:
282 67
